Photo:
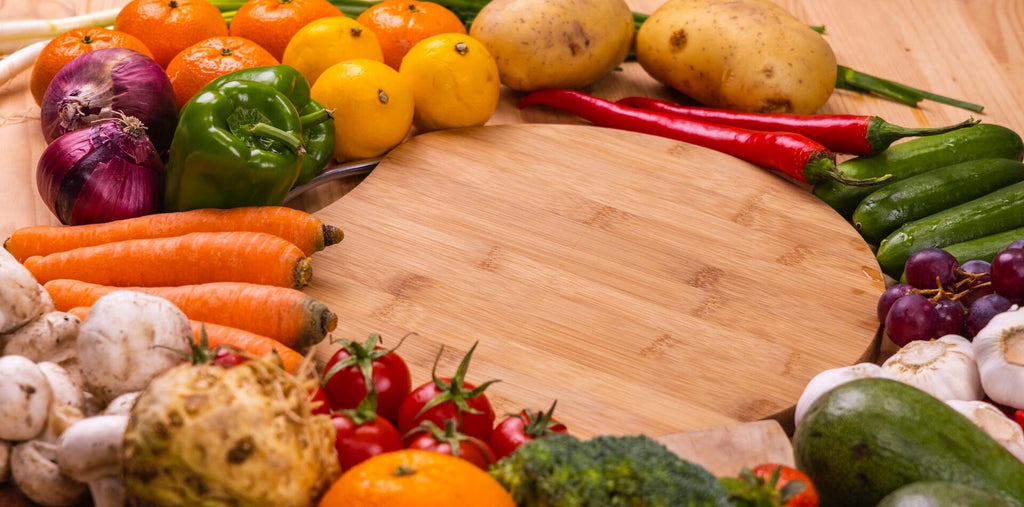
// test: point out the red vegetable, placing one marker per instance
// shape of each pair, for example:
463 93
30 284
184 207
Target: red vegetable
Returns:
771 484
108 83
1018 416
445 399
362 434
518 429
841 133
106 172
319 397
793 154
356 369
449 441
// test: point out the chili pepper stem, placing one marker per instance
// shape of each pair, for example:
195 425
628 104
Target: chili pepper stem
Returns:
885 133
272 132
315 118
823 167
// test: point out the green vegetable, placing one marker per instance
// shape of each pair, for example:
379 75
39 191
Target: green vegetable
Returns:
237 144
944 494
995 212
562 471
867 438
984 248
887 208
919 156
317 132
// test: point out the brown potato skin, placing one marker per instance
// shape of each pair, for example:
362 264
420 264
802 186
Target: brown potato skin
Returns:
747 55
554 43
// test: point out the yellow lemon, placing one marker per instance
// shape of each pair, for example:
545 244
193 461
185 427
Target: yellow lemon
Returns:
373 107
327 41
454 81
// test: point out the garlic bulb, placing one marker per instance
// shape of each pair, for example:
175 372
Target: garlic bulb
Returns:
829 379
989 418
999 350
944 368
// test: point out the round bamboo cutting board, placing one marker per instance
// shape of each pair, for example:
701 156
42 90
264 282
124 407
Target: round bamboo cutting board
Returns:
647 285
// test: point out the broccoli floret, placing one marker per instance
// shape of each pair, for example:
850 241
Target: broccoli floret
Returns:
563 471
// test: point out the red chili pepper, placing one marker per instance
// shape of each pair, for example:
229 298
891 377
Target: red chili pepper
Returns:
841 133
792 154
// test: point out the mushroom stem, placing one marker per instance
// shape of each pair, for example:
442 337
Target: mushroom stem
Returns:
90 451
107 491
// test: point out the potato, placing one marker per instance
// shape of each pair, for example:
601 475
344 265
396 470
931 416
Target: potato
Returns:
747 55
554 43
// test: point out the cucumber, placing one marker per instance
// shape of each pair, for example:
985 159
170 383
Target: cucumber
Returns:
869 437
995 212
918 156
887 208
984 248
944 494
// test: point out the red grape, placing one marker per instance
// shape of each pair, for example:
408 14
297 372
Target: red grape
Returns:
975 267
1008 273
912 317
982 311
925 266
889 297
952 317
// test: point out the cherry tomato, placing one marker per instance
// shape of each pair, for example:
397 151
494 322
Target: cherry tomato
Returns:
444 399
359 439
518 429
226 357
792 495
456 444
345 381
319 396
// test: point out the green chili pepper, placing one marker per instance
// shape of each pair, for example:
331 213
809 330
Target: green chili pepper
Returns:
317 130
236 144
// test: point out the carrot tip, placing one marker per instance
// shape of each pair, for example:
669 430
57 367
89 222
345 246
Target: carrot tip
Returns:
303 273
332 235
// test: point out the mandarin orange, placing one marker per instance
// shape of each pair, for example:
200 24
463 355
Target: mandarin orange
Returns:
399 25
272 23
169 26
197 65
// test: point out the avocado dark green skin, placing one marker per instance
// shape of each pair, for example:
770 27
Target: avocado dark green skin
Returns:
944 494
867 438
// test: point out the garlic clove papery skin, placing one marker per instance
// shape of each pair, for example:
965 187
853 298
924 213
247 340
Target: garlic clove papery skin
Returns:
994 422
829 379
944 368
999 352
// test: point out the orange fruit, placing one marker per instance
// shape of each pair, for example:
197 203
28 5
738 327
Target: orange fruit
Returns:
272 23
65 47
327 41
169 26
197 65
416 478
399 25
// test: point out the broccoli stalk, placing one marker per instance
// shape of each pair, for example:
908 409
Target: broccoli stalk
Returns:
563 471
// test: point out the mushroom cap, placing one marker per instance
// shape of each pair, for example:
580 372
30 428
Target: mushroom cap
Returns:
25 397
35 472
65 390
92 447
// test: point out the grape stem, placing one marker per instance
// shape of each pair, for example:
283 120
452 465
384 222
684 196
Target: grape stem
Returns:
934 295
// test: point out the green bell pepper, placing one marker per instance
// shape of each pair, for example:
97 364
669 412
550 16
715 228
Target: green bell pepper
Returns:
317 131
236 144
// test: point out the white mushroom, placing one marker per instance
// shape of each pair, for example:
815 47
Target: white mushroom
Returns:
129 338
65 390
91 452
35 472
60 418
25 398
20 300
122 405
5 461
45 301
48 337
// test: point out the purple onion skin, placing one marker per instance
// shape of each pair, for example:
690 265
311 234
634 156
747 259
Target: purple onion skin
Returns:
105 172
102 83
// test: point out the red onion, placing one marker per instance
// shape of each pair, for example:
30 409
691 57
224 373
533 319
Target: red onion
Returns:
107 82
105 172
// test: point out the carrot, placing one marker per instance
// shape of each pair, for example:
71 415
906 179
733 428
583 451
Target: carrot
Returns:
79 311
257 345
288 315
303 229
199 257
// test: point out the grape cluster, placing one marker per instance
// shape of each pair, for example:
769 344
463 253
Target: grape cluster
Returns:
941 296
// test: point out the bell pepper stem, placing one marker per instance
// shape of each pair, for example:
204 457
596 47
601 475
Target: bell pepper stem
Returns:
315 118
272 132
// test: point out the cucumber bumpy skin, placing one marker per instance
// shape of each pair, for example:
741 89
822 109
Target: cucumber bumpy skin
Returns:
867 438
984 248
918 156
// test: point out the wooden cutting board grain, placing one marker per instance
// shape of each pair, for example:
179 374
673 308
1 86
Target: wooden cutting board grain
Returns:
647 285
